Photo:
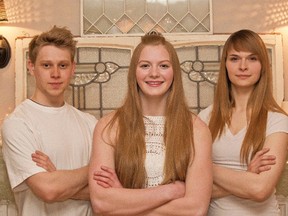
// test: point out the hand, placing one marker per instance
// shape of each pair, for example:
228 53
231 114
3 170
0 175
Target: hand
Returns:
42 160
261 162
180 189
107 178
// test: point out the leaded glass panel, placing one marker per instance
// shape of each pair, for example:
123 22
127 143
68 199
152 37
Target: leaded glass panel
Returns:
100 81
141 16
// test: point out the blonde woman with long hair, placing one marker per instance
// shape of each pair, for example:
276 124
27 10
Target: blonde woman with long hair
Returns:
245 123
160 151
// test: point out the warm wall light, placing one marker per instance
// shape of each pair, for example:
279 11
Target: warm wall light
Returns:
5 49
5 52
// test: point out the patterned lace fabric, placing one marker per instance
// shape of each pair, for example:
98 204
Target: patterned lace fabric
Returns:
155 149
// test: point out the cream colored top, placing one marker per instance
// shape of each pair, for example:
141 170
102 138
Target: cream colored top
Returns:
155 149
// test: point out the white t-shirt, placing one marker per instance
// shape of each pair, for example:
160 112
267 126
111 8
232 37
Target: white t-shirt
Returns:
64 134
226 152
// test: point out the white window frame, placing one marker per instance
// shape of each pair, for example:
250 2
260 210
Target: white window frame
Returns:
273 41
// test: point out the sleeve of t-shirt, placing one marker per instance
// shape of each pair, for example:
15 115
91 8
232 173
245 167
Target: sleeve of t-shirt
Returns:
19 142
92 122
205 114
277 122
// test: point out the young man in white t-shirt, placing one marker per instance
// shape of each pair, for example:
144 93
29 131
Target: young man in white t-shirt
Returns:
47 142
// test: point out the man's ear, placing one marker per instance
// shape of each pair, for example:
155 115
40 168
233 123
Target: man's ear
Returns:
73 68
31 67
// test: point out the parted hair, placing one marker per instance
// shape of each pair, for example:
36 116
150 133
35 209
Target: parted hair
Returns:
260 102
130 148
60 37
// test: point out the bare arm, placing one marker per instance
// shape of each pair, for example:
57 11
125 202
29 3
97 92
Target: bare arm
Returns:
58 185
107 177
261 162
42 160
198 186
82 194
123 201
255 186
198 181
219 192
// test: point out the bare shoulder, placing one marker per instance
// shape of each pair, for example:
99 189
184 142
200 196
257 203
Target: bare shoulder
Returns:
104 123
105 120
199 125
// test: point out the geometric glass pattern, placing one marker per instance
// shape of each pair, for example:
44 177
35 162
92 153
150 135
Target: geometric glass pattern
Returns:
99 84
100 17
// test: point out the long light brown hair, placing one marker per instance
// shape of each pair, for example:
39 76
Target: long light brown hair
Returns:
260 101
130 148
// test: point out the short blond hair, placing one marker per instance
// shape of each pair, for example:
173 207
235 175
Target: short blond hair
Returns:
57 36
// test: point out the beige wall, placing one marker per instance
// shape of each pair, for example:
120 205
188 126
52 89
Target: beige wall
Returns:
262 16
29 17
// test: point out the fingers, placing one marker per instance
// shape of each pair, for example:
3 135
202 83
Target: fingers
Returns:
264 168
262 152
261 161
107 177
41 154
108 170
42 160
102 180
103 176
103 184
260 155
263 157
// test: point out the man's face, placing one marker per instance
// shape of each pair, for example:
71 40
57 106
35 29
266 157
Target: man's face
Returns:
52 70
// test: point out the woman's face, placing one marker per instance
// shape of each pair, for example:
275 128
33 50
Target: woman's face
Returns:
244 69
154 72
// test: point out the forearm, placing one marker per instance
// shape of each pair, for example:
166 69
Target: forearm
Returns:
238 183
122 201
198 182
195 202
58 185
182 206
83 194
257 187
68 183
219 192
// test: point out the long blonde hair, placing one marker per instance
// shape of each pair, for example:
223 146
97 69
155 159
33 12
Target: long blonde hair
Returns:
260 102
130 148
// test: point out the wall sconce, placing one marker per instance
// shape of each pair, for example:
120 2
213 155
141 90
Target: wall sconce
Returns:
5 50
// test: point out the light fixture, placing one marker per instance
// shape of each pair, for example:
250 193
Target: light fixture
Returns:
5 49
5 52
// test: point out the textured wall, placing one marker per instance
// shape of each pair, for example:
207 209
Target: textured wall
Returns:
33 16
